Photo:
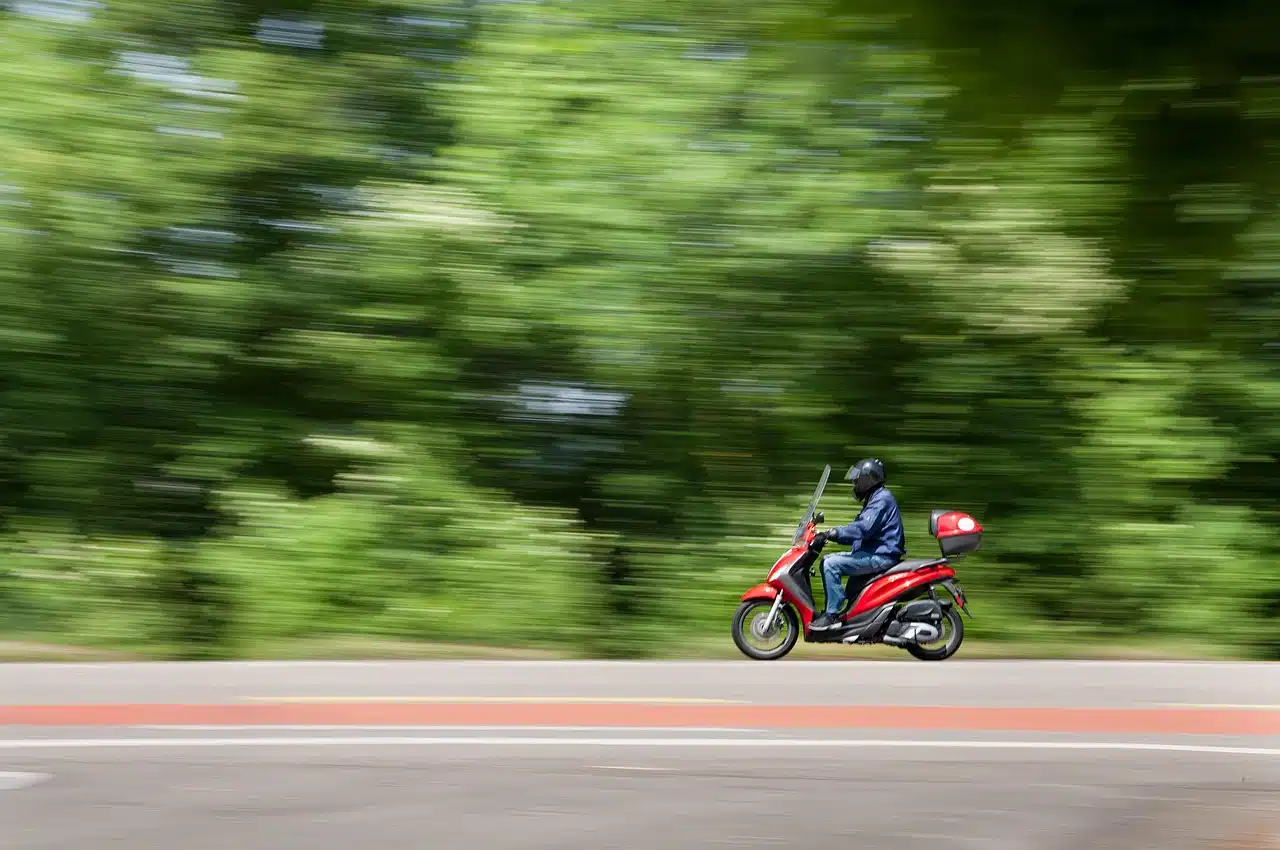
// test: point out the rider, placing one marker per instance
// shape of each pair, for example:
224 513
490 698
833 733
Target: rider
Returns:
875 538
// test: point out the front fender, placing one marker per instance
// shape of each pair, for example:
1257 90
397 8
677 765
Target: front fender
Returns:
761 591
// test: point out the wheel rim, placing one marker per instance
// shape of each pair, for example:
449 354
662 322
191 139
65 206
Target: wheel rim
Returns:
763 639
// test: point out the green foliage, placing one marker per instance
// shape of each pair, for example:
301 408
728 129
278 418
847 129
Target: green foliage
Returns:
532 323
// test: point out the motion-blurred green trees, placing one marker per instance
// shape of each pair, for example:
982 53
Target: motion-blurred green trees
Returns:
534 322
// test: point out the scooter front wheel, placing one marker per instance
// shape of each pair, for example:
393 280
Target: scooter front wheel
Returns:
762 641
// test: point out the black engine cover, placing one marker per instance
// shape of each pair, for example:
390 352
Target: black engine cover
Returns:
920 611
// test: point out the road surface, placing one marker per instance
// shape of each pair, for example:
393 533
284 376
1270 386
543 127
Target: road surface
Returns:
579 755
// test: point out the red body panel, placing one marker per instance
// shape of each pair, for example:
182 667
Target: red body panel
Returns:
784 563
887 588
761 591
780 566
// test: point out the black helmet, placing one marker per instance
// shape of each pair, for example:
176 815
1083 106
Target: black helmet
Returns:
867 475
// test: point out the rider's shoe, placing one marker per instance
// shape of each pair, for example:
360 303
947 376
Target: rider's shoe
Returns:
823 622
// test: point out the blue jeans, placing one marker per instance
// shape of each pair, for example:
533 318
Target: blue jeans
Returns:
836 567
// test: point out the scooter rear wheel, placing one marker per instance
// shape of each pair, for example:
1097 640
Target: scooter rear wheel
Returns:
773 643
944 649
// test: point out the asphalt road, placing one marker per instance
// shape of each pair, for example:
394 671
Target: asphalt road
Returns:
121 780
955 682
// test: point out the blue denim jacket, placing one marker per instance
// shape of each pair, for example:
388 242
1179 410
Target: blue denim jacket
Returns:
878 528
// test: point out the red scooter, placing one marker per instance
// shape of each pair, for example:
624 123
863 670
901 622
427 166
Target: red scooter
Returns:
899 607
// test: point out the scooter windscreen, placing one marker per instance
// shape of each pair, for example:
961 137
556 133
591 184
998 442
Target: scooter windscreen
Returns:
813 505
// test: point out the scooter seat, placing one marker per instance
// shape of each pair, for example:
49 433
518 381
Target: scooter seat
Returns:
910 565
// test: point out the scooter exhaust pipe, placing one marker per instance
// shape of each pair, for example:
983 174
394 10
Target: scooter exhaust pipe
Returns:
913 633
921 633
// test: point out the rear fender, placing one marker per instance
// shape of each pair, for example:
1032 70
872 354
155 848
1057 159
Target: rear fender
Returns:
761 591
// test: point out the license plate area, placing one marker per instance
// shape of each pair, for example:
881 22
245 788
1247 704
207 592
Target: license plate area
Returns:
958 592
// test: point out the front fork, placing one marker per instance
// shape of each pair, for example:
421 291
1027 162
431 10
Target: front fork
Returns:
773 613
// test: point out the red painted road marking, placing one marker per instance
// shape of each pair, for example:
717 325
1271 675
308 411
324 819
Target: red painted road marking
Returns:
1156 721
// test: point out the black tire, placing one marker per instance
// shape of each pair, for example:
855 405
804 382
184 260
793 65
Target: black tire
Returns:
948 649
790 621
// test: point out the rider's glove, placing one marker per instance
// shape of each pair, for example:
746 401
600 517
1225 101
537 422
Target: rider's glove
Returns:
830 534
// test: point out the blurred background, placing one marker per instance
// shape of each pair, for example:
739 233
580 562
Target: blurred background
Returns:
531 323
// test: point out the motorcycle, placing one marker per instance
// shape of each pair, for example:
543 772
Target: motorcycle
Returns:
898 607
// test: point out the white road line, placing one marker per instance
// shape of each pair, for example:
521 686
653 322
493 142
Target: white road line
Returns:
12 781
310 727
639 742
491 699
1264 706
